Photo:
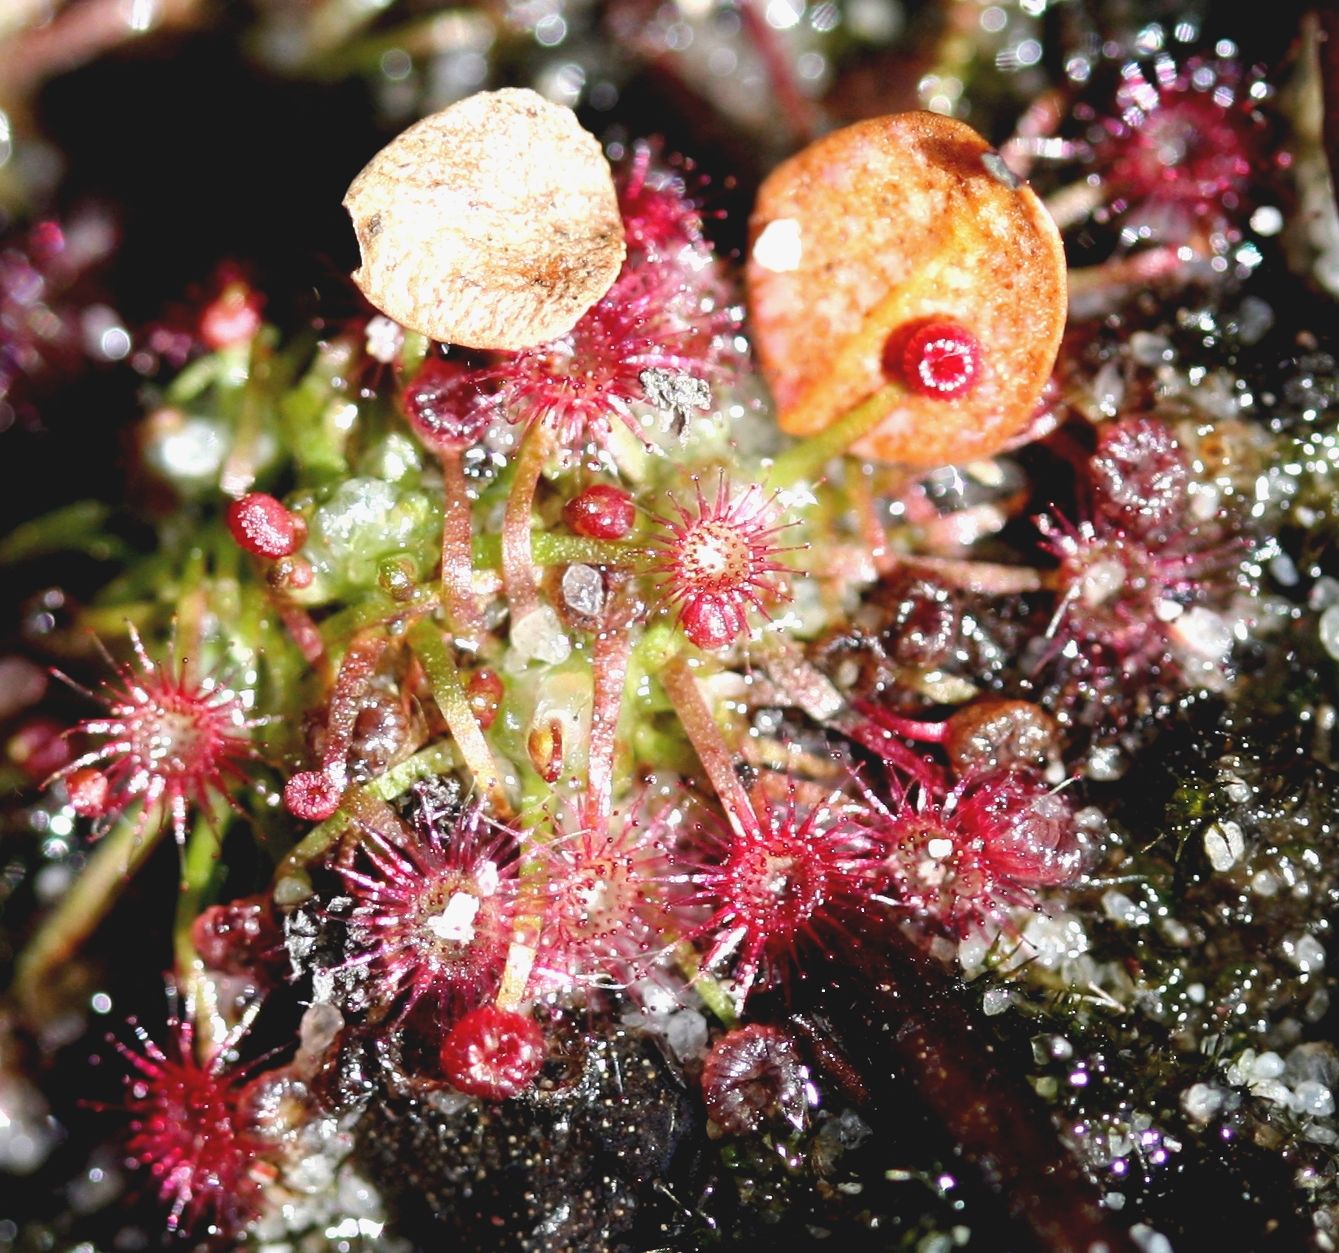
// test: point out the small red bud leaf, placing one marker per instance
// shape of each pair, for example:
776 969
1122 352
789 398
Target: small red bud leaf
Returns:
601 511
941 360
312 796
493 1053
262 526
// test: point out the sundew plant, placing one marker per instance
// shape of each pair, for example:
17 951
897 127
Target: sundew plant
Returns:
756 668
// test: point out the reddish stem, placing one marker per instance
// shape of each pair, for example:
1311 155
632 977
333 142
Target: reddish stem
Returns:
914 728
869 730
872 531
518 565
795 106
613 647
700 726
302 630
799 682
1040 120
78 34
901 1020
462 607
982 578
355 672
1110 278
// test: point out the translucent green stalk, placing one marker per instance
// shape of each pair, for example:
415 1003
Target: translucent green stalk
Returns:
114 860
250 411
518 562
657 646
74 528
317 443
332 24
412 353
431 36
375 609
708 987
200 862
554 548
113 619
199 869
805 459
426 640
699 725
291 884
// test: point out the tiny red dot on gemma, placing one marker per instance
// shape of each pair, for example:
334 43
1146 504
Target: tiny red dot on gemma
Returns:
264 527
493 1053
942 360
601 511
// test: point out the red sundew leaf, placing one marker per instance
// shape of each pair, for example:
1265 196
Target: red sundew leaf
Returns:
185 1129
863 237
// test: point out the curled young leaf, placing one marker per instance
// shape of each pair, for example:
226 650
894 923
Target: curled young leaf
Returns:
492 224
877 232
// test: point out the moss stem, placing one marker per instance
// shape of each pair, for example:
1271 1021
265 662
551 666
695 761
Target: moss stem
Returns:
553 548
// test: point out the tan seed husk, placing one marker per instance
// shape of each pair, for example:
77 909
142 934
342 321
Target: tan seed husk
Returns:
887 222
492 224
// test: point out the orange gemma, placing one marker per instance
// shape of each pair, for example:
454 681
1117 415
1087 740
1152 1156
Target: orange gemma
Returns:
874 231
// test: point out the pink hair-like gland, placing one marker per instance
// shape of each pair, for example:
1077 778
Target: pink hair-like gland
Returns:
718 558
1180 146
963 860
667 311
167 737
782 873
608 899
660 218
187 1131
1127 573
433 913
651 319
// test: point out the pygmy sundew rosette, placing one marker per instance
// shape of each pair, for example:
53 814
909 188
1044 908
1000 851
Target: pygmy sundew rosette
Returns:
633 801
